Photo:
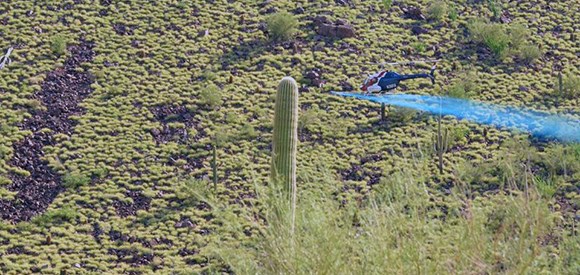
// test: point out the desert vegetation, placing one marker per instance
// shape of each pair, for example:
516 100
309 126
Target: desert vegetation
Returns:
137 137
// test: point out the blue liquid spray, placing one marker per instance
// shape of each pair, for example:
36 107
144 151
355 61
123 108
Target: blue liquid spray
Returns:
537 123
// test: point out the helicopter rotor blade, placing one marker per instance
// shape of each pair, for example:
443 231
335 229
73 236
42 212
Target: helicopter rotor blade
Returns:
399 63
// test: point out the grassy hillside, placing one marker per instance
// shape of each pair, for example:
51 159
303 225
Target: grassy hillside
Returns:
111 109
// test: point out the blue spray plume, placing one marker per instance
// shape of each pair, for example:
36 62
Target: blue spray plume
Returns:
539 124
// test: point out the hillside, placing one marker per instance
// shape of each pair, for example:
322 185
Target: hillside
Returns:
110 110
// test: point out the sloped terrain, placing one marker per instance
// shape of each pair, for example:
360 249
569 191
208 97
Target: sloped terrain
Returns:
98 144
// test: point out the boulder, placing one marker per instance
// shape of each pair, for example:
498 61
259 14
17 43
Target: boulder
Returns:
337 31
413 13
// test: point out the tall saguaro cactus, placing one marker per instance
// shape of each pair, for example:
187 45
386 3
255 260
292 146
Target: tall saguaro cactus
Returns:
285 139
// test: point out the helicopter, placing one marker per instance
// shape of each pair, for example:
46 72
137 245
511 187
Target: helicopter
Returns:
385 81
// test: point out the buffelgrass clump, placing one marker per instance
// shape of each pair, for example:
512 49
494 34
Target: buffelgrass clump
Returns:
281 26
211 96
437 10
387 4
464 86
58 45
75 179
453 15
400 230
495 9
419 47
529 53
570 87
64 214
493 35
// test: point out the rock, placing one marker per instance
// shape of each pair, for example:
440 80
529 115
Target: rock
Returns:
505 17
524 89
312 75
341 22
337 31
417 30
299 10
318 20
346 86
558 28
413 13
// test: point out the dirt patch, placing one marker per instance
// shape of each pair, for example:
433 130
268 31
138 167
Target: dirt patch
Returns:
140 202
62 91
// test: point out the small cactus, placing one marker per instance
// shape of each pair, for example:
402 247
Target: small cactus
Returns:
440 144
285 140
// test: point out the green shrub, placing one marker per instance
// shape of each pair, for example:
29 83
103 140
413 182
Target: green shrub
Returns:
73 180
281 26
519 35
65 214
495 8
211 96
308 119
493 35
193 191
437 10
570 86
465 86
453 13
58 45
387 4
529 53
419 47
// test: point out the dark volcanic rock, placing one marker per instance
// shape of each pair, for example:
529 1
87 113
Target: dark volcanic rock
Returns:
340 29
416 30
413 13
61 93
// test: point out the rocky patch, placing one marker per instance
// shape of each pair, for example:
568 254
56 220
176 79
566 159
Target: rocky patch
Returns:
339 29
61 93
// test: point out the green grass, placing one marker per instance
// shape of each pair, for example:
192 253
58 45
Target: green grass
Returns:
437 10
399 230
492 35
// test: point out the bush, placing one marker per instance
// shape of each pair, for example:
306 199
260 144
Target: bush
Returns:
464 86
419 47
453 13
529 53
570 86
281 26
308 118
65 214
437 10
519 34
58 45
492 35
211 96
387 4
74 180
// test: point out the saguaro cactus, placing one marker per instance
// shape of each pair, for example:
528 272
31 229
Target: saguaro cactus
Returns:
285 139
440 144
284 142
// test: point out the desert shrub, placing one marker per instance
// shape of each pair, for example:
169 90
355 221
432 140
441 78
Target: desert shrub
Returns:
419 46
519 35
387 4
192 191
437 10
493 35
402 114
58 45
464 86
529 53
495 8
281 26
248 131
453 13
570 86
75 179
64 214
308 119
211 96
